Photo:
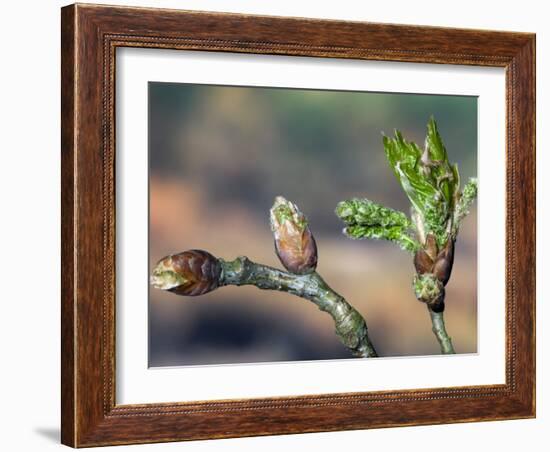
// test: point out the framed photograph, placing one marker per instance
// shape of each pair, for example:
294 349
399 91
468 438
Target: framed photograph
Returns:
282 225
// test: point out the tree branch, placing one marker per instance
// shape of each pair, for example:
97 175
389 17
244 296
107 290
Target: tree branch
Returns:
438 328
351 327
196 272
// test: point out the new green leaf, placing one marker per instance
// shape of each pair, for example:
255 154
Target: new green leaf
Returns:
429 180
367 220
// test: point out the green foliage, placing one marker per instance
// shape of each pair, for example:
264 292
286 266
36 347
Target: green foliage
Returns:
429 180
432 185
393 234
367 220
368 213
468 196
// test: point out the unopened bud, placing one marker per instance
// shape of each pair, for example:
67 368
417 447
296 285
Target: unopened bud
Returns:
294 242
429 260
428 289
191 273
444 262
423 263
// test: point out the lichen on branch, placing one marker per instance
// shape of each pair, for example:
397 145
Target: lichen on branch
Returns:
351 327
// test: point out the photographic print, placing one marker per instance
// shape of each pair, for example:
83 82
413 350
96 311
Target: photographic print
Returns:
297 225
273 225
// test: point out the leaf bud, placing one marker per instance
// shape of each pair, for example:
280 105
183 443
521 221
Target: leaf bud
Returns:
191 273
444 262
428 289
294 243
429 259
424 257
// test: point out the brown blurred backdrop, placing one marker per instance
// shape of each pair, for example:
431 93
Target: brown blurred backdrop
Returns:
219 156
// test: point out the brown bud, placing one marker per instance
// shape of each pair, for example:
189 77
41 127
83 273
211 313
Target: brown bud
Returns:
438 304
431 246
444 262
422 262
425 256
294 242
191 273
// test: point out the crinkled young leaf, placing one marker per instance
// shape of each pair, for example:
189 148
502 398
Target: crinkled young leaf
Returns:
368 213
436 147
427 178
466 199
367 219
394 234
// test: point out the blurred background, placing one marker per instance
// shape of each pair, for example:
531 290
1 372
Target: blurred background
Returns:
218 157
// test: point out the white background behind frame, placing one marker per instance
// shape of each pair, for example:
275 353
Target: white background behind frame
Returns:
138 384
36 156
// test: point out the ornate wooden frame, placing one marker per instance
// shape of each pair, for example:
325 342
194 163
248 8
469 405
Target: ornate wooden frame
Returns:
90 35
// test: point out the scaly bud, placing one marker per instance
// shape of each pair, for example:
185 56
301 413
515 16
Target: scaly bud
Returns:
444 262
425 256
294 242
430 260
193 272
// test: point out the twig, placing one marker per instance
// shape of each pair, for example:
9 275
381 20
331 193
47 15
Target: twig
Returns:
438 328
196 272
351 327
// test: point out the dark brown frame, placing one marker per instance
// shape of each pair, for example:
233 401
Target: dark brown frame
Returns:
90 35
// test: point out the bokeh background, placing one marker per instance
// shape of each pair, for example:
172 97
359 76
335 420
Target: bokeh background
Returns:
218 157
